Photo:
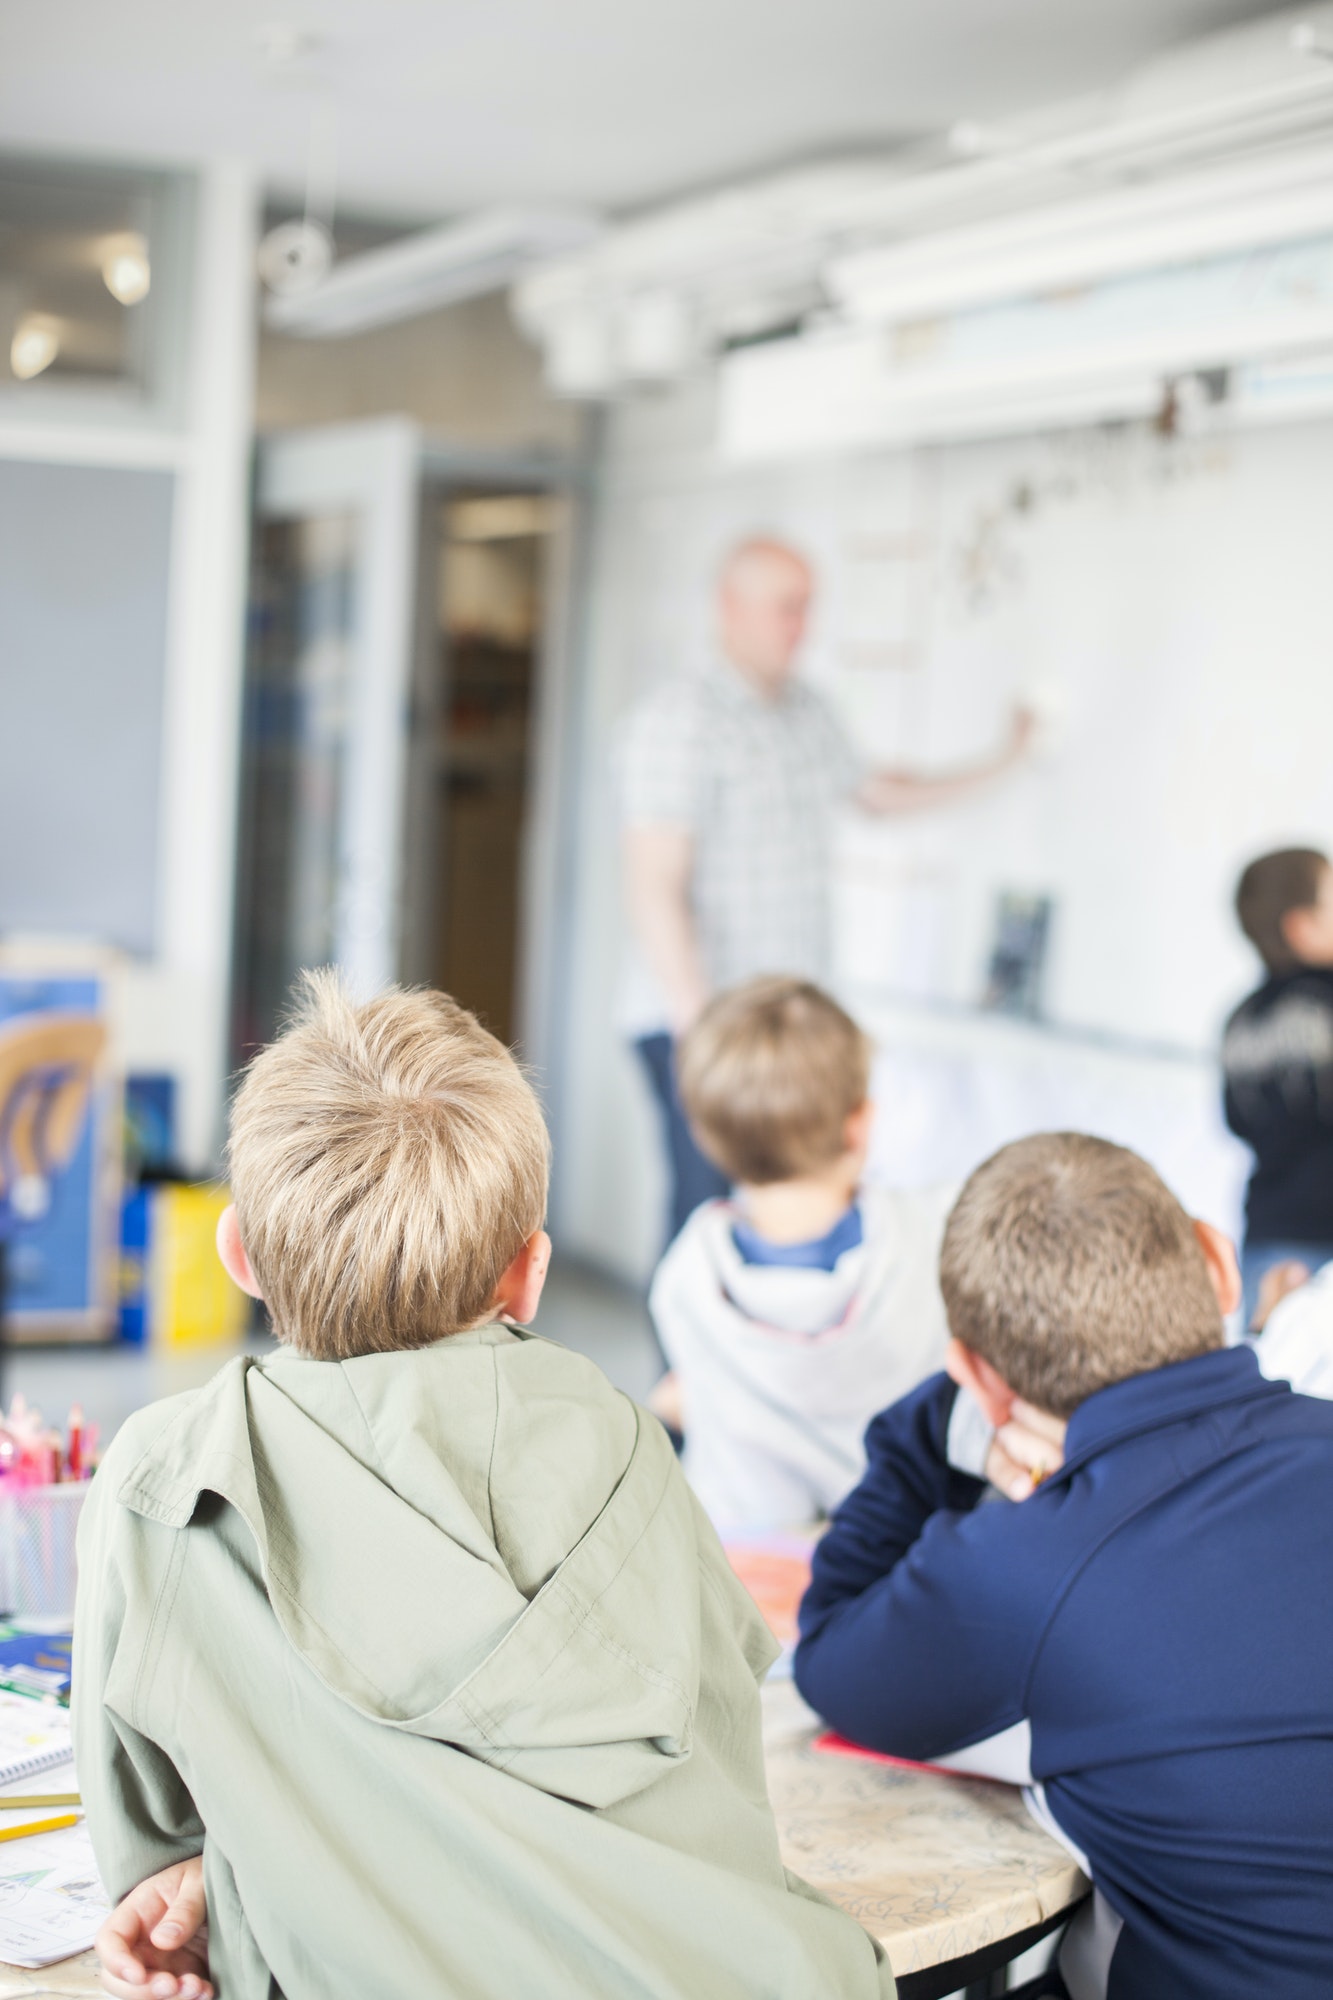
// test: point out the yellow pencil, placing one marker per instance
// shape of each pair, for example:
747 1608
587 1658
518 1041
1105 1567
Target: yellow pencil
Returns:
39 1826
30 1799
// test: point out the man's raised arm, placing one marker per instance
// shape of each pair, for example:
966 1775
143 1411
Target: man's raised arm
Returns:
888 792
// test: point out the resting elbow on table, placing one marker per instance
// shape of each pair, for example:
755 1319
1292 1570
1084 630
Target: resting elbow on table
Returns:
897 1649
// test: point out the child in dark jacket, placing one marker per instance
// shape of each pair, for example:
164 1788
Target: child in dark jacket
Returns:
1277 1062
1144 1641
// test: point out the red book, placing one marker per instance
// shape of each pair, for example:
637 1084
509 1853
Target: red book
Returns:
842 1746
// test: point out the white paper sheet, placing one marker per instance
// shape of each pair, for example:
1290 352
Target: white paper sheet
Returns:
52 1903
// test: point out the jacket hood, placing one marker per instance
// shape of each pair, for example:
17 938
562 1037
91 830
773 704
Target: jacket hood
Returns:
479 1541
783 1297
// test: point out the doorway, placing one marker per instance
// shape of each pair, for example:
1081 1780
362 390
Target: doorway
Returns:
406 725
489 618
293 765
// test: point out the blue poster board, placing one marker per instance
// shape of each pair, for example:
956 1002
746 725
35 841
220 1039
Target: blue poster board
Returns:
61 1262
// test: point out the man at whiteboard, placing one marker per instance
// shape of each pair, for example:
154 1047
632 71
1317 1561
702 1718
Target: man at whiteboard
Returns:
729 783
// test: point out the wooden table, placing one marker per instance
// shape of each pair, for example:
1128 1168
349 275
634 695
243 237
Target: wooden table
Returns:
943 1871
72 1977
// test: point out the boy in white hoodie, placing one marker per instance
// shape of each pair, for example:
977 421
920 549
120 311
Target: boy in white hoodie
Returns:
795 1310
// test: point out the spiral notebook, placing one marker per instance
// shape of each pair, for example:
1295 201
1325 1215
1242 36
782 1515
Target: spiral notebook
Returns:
34 1736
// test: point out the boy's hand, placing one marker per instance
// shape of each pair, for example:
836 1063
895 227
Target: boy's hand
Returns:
666 1402
1026 1450
1278 1282
154 1945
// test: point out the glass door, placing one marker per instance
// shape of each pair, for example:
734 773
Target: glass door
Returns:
328 680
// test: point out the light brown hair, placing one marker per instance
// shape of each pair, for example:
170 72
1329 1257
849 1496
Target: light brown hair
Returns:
388 1160
1068 1265
768 1075
1288 879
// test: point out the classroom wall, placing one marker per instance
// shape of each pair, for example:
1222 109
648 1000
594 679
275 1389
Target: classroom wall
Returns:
1163 599
84 570
463 372
156 775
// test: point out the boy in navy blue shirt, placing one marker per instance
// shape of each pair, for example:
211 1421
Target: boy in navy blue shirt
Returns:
1146 1639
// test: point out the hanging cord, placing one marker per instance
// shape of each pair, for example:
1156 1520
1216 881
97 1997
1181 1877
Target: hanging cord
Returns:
321 165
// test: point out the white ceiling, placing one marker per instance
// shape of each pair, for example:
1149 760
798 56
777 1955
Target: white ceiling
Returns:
444 105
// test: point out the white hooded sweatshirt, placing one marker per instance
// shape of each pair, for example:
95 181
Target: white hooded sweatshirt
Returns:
781 1368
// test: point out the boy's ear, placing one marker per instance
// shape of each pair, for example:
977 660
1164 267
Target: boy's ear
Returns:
1296 927
856 1129
520 1288
232 1252
1219 1254
970 1371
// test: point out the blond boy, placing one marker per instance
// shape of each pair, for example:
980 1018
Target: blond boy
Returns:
797 1308
414 1633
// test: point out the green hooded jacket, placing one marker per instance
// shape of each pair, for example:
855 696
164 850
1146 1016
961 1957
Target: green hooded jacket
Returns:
438 1661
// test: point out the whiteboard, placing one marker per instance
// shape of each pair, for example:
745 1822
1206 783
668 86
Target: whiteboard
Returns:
1169 598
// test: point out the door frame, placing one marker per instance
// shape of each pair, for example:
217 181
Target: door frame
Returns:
393 475
548 848
372 469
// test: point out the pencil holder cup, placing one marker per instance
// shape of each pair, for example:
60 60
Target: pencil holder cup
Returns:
37 1568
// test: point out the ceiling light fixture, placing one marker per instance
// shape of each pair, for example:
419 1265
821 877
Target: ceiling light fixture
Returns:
34 347
1306 40
126 272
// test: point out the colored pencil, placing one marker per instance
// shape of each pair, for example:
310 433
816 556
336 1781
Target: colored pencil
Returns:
39 1826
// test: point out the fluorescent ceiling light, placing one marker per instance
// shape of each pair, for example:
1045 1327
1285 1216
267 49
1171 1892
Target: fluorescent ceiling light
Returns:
34 347
1076 243
463 260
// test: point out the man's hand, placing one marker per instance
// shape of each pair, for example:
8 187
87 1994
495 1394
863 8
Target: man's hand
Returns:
154 1945
896 791
1023 725
1026 1450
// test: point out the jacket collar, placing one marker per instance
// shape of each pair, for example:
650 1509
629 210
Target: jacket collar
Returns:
1165 1396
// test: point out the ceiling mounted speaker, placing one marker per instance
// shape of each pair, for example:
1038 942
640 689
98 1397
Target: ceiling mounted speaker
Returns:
295 257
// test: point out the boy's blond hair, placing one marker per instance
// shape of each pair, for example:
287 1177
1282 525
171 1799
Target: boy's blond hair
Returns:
388 1161
1068 1265
768 1076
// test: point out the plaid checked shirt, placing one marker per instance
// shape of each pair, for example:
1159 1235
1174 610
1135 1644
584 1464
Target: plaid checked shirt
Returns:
756 781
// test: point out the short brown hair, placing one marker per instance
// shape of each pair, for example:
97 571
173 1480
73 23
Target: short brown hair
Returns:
768 1075
1288 879
388 1161
1068 1265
